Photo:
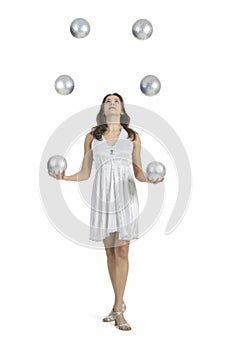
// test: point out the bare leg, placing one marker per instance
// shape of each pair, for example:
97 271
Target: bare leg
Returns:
110 253
118 265
121 267
109 248
117 249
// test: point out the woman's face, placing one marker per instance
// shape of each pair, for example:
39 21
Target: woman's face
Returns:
112 105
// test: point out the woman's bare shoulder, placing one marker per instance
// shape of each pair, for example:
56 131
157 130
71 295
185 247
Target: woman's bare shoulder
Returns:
89 135
89 138
137 137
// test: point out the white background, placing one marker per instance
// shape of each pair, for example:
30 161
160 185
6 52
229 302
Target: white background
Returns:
54 292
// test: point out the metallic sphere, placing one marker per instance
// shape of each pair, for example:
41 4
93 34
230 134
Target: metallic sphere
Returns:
155 170
80 28
64 85
142 29
150 85
56 164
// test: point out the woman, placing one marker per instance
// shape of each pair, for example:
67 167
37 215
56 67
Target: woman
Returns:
114 203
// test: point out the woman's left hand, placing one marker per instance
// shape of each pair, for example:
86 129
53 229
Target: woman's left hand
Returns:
156 181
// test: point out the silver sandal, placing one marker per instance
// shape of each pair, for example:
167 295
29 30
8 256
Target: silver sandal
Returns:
122 325
110 317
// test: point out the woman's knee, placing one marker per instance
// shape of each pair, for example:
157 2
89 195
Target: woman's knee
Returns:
110 253
122 251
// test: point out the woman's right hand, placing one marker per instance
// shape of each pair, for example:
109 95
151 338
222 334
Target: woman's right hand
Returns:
59 176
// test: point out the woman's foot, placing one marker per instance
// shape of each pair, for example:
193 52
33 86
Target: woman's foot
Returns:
110 317
120 321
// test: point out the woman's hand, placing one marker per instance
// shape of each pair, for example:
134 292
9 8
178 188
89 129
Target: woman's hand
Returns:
59 176
156 181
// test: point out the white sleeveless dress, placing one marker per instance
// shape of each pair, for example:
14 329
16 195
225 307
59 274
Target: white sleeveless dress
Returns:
114 200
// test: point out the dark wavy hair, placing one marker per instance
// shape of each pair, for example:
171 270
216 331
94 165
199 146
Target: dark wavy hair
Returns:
102 126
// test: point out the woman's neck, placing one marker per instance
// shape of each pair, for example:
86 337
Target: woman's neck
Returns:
114 127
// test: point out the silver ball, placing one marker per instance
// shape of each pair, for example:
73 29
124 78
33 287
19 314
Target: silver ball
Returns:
155 170
64 85
56 164
80 28
150 85
142 29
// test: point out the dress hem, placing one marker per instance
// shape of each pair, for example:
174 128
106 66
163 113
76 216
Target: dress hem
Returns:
120 238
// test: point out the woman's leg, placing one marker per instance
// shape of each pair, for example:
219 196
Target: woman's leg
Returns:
121 251
109 248
117 262
118 265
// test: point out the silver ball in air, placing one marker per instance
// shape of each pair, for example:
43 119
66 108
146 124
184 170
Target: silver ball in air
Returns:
142 29
64 85
150 85
80 28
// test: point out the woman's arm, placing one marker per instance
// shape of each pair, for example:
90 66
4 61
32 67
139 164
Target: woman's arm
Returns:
136 160
87 162
137 164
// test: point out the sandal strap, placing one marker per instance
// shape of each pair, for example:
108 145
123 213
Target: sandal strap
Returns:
124 325
109 318
117 313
